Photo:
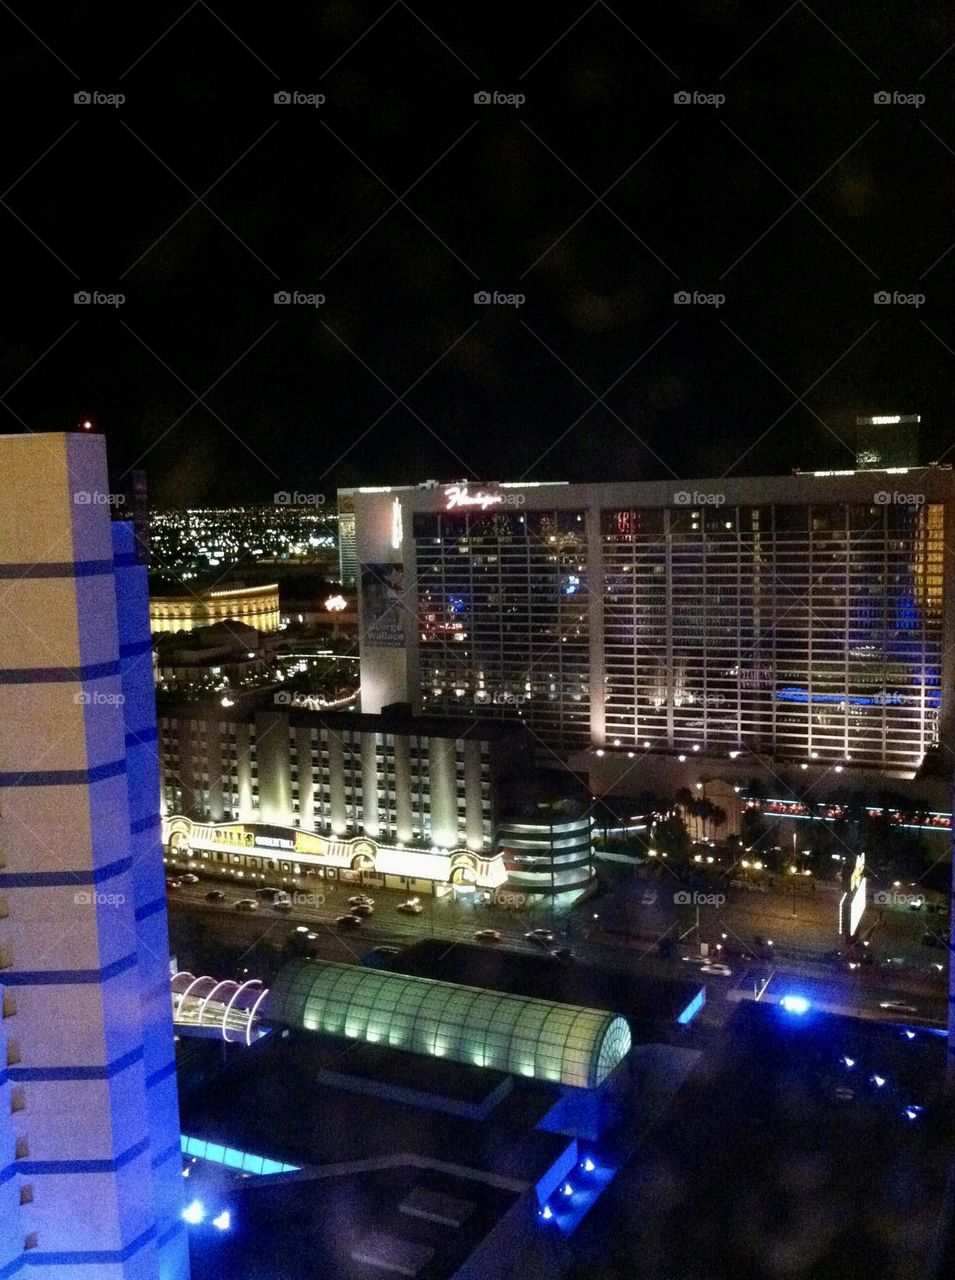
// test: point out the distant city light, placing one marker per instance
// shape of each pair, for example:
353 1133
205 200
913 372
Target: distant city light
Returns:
335 604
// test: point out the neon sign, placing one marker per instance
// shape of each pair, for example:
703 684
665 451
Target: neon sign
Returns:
458 495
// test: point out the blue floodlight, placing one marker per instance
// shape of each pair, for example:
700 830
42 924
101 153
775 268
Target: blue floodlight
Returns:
850 1062
547 1213
795 1004
913 1112
567 1189
223 1221
588 1165
194 1213
878 1081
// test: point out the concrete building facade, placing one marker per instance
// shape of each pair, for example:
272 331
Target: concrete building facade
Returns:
90 1184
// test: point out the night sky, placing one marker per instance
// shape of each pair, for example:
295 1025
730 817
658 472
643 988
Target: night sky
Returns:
399 198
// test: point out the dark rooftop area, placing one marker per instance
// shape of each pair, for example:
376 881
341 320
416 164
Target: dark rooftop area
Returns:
651 1005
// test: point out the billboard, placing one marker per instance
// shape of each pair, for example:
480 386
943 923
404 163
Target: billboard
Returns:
382 586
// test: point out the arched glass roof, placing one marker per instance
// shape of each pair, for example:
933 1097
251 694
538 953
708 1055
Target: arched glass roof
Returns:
537 1038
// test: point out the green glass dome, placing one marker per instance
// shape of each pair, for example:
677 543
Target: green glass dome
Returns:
560 1043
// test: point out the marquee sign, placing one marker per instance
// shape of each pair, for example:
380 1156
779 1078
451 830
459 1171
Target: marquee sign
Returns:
359 853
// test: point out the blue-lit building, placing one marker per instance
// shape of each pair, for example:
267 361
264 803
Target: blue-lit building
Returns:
90 1152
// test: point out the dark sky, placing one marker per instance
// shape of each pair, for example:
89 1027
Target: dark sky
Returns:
699 197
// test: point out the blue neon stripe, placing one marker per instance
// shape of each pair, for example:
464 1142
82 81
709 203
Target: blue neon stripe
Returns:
126 559
59 675
692 1009
150 909
53 879
176 1229
104 1072
135 648
137 736
13 1267
174 1150
57 569
65 777
144 824
77 1259
158 1076
84 1166
68 977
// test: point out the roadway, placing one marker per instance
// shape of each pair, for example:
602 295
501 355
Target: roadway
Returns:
794 964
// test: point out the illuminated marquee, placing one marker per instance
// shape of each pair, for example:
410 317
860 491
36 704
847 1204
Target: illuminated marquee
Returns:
458 495
446 866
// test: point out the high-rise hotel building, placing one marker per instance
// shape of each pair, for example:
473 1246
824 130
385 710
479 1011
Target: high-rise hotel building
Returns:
807 618
90 1163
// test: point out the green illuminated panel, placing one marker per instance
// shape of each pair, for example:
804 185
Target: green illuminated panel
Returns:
537 1039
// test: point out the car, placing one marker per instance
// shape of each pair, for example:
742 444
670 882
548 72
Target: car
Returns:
563 953
245 904
215 895
701 960
362 909
173 884
897 1006
361 899
189 878
385 952
349 921
718 970
542 937
411 908
488 935
268 893
282 904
